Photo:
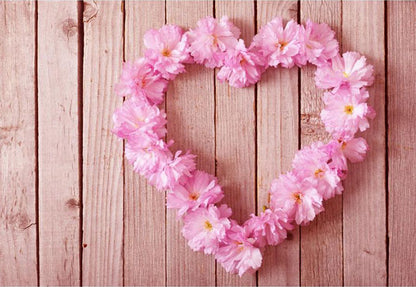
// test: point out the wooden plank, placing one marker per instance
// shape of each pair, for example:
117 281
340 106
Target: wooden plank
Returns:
401 138
277 142
191 125
144 206
365 195
236 135
321 241
59 198
102 258
17 144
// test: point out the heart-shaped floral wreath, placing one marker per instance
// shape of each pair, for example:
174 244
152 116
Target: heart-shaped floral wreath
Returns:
318 169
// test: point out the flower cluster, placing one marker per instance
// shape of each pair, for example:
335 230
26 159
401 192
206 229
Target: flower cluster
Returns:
317 170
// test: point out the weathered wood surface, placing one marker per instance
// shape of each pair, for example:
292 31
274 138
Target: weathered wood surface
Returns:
73 212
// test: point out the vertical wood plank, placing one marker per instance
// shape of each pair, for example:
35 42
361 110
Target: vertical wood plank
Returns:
401 141
364 205
190 111
102 192
59 198
236 135
321 241
277 142
144 206
17 144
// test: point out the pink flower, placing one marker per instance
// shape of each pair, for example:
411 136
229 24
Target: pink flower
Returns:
350 72
355 149
136 117
176 169
320 43
269 228
167 50
277 44
310 164
210 40
139 80
338 161
205 228
345 113
242 68
237 254
147 157
200 190
299 200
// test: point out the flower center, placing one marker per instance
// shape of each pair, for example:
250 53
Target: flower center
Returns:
346 75
208 225
297 197
281 45
349 109
194 195
319 173
165 52
214 40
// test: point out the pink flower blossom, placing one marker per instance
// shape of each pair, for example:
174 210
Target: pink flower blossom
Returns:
345 113
176 169
200 190
242 68
147 157
269 228
320 43
299 200
205 228
210 40
237 254
338 161
311 164
277 44
167 50
139 80
138 117
355 149
349 72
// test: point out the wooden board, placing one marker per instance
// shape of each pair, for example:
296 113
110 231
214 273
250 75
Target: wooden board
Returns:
190 110
144 235
236 135
102 261
277 142
17 144
321 241
364 206
59 166
401 88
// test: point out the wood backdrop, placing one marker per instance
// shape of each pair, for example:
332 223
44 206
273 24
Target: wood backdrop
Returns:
72 211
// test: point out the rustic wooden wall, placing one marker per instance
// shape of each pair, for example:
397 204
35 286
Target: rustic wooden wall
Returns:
72 211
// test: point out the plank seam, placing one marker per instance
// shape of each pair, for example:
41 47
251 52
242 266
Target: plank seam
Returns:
123 9
80 8
215 138
37 146
386 127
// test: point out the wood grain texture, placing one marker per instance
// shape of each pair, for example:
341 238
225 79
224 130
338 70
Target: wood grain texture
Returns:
364 241
190 111
321 241
236 135
277 142
59 198
102 256
144 235
401 142
17 144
